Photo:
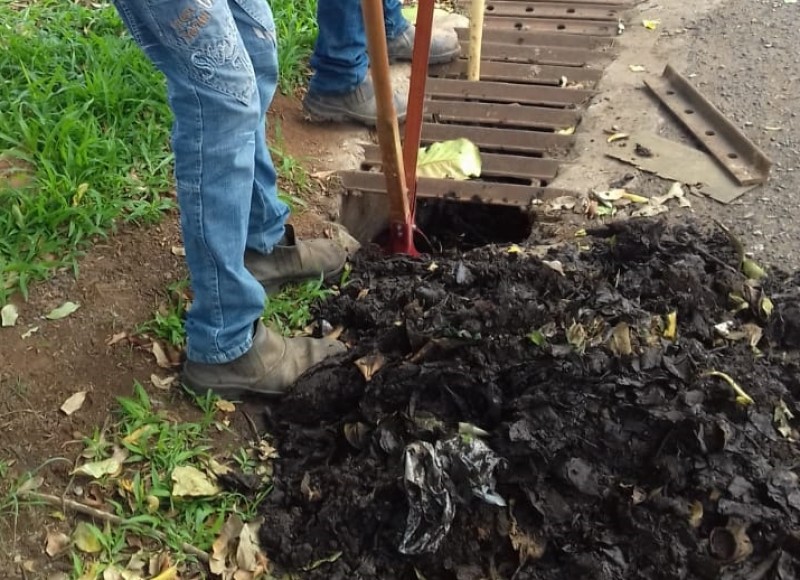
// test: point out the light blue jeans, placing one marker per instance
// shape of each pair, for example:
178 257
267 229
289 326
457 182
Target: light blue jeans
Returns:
340 59
220 61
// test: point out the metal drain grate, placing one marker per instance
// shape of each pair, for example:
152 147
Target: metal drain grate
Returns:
539 64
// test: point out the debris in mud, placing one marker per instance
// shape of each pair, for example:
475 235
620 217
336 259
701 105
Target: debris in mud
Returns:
615 453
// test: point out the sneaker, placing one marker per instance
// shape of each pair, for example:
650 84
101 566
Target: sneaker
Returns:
444 46
269 368
359 106
292 260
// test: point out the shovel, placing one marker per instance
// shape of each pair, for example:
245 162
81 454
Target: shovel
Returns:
399 163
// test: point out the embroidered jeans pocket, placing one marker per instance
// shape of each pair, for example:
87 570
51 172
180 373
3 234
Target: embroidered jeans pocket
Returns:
205 38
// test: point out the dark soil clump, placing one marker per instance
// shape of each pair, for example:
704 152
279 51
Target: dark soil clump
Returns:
619 456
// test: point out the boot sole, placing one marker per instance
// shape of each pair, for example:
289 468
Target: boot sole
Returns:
274 286
231 393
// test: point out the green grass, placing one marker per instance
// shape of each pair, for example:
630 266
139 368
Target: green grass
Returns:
296 25
289 311
142 495
85 109
85 113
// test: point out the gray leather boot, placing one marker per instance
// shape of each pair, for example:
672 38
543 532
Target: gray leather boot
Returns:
293 260
359 106
269 368
444 46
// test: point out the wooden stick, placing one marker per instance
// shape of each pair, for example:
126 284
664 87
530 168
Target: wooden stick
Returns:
387 125
102 515
477 9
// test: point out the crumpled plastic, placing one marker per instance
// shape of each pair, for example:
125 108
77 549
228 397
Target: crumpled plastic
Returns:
439 476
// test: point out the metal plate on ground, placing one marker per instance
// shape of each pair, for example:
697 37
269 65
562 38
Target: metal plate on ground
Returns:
678 162
740 156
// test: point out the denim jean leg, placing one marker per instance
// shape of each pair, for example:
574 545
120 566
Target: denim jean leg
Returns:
268 213
396 23
217 108
340 55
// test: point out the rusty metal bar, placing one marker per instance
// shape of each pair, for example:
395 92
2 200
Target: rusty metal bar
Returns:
507 93
527 38
498 115
564 26
575 57
530 74
492 138
551 10
738 154
493 165
465 191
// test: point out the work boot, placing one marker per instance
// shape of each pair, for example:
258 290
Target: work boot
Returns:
269 368
359 105
444 46
294 261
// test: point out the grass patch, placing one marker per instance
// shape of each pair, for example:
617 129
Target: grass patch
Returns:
289 312
158 449
296 26
84 108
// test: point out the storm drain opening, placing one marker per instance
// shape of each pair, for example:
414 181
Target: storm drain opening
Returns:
441 224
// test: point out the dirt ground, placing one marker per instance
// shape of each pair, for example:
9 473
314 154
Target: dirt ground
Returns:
744 56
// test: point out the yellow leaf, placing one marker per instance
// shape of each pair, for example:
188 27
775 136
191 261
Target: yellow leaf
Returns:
741 396
618 137
635 198
170 573
671 332
651 24
225 406
566 131
85 538
696 514
514 249
189 481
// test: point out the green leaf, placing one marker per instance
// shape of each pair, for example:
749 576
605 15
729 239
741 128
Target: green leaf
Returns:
537 338
458 159
767 306
752 270
62 311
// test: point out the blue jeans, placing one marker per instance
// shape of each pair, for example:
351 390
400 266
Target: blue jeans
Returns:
340 60
220 61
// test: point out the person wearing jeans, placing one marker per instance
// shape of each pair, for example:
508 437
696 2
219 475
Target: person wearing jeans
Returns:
341 88
220 61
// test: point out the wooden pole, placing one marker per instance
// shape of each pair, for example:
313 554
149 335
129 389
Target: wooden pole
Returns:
477 9
387 125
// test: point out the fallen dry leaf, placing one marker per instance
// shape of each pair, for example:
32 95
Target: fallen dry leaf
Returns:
370 364
696 514
162 359
118 337
249 548
225 406
85 539
56 544
621 340
73 403
8 315
651 24
31 484
617 137
221 546
62 311
170 573
163 384
188 481
555 265
178 251
111 466
28 333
